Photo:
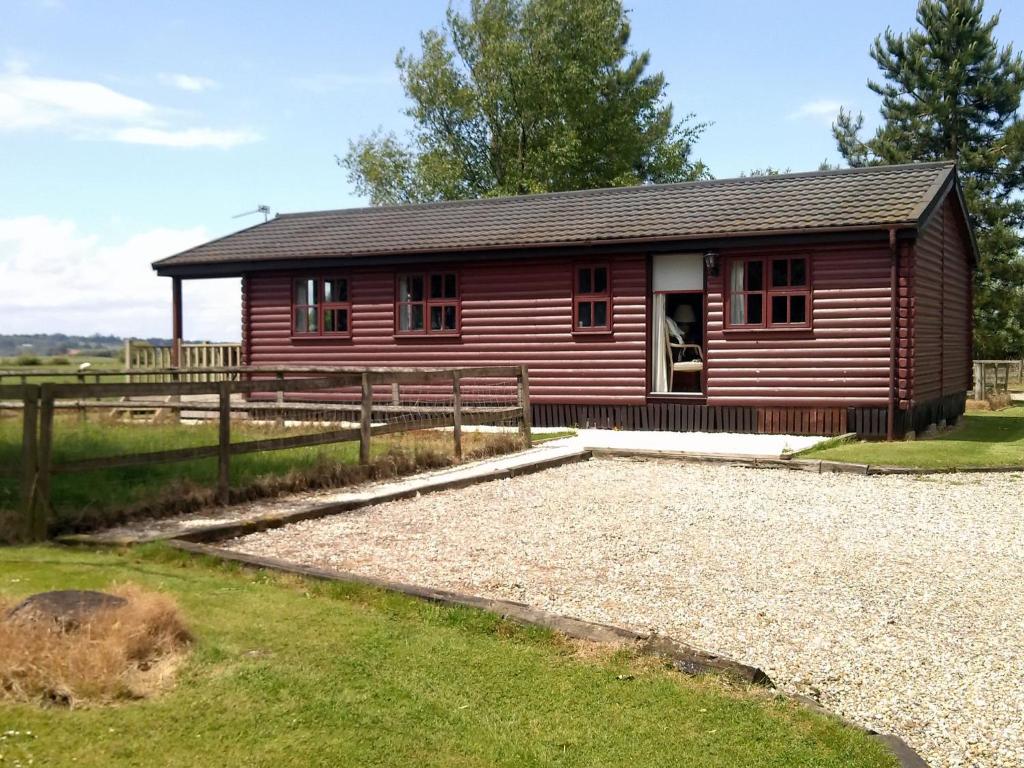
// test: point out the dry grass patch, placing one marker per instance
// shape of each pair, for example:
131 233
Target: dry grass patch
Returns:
994 402
128 652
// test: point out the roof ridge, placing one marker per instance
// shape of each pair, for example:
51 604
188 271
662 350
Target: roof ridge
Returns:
505 199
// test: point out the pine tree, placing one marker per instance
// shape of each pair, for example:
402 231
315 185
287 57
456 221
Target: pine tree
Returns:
949 92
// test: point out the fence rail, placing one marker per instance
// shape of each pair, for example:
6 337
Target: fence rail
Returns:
39 402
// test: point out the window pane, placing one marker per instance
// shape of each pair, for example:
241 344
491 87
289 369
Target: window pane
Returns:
305 291
436 318
755 309
601 314
780 272
779 309
755 275
585 319
410 288
305 320
450 317
798 272
601 280
335 321
798 309
335 290
585 282
436 286
410 317
451 286
737 309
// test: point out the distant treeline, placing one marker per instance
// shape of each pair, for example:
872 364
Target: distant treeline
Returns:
63 344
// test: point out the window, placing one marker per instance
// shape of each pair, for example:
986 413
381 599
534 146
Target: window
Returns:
321 307
770 292
591 306
427 303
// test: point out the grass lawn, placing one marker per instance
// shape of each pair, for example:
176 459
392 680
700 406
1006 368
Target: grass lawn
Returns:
84 500
985 439
289 672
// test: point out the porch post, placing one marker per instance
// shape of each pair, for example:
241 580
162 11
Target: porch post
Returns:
175 322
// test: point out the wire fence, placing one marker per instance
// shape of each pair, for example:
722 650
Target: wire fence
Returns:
255 410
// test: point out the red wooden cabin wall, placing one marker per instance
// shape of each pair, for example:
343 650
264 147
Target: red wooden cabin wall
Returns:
842 360
513 312
941 307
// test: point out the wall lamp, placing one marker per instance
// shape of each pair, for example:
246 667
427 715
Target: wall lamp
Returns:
711 260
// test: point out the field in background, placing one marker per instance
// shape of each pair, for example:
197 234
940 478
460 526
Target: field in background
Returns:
984 439
290 672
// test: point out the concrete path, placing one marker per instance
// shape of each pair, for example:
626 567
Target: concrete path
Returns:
316 503
691 443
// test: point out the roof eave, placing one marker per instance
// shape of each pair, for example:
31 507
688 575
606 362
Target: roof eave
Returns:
239 267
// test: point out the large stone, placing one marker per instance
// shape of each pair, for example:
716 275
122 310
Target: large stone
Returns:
68 608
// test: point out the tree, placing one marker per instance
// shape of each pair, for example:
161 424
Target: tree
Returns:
525 96
951 93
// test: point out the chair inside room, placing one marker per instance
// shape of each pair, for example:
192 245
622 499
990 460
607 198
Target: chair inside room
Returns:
683 349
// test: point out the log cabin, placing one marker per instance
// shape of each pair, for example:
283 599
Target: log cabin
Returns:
807 303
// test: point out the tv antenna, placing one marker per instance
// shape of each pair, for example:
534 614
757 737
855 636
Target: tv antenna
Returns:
264 209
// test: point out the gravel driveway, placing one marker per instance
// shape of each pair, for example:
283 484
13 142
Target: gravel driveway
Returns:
896 601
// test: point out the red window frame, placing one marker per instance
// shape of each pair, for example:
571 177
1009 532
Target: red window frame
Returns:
770 292
585 302
320 307
431 303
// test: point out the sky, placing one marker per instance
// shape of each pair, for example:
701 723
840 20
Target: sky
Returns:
130 130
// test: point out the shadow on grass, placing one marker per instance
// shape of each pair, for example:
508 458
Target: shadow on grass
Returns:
988 429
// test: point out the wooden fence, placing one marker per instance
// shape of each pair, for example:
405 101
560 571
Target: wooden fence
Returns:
39 402
993 377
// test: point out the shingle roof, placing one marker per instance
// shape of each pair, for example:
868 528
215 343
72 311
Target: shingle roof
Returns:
879 196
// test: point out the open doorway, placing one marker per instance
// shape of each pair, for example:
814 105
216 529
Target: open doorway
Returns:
678 342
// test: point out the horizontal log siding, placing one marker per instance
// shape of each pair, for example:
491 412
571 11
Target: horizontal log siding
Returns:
941 324
842 361
957 368
513 313
927 312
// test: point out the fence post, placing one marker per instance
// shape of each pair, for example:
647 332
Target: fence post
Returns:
41 509
176 412
364 420
457 412
224 444
526 418
279 422
29 459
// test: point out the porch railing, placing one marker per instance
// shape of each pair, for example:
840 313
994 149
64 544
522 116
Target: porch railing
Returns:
195 357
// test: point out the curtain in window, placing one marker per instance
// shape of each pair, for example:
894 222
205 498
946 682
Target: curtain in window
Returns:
737 302
659 347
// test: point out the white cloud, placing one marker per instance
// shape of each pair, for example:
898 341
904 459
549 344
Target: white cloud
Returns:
31 102
88 110
188 137
188 82
822 110
56 278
